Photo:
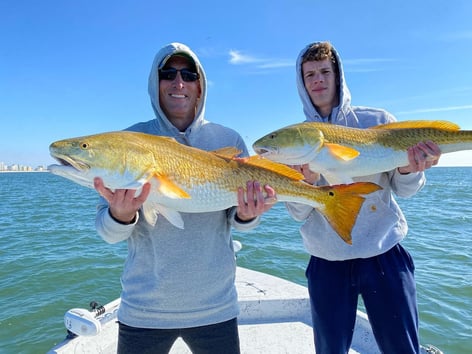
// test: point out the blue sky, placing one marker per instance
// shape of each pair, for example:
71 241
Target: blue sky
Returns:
71 68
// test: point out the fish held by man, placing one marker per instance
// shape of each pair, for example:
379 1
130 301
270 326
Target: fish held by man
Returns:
187 179
340 153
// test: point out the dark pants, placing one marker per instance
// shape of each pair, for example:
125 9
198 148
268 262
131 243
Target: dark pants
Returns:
387 286
212 339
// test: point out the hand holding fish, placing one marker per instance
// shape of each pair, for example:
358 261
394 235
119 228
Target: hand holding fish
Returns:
310 176
123 203
421 156
254 203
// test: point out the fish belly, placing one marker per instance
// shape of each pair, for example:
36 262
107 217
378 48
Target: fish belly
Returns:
370 161
204 198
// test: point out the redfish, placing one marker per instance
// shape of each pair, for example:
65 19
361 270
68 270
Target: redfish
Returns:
187 179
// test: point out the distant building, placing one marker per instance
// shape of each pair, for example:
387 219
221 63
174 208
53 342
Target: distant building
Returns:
20 168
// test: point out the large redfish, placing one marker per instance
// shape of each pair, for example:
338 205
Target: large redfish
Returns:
340 153
186 179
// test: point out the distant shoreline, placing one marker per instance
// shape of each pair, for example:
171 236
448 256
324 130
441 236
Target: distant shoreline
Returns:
47 171
24 171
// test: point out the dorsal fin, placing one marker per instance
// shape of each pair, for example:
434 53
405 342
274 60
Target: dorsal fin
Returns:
259 161
415 124
168 138
228 152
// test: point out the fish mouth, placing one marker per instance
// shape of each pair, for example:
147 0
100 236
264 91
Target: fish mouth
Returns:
262 151
69 162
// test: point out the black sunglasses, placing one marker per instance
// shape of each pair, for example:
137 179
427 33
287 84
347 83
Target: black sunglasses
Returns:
171 74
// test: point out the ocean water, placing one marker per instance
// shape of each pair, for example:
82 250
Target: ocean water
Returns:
51 258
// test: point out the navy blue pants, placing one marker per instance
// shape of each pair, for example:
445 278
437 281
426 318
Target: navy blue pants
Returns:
387 286
212 339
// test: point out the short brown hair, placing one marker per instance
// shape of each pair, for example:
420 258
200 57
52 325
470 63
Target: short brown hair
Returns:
320 51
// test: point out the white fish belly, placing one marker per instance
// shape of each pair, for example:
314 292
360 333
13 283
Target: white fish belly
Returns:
370 161
203 198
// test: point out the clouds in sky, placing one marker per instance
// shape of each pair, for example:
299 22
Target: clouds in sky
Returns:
238 58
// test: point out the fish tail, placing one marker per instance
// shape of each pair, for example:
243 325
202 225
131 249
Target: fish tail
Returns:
342 205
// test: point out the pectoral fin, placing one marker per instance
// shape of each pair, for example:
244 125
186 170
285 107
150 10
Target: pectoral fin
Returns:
168 188
150 213
332 177
172 216
152 210
341 152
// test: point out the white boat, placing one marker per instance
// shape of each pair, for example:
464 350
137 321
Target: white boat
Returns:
274 318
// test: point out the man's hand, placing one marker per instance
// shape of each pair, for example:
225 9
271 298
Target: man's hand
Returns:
421 157
252 203
123 203
310 176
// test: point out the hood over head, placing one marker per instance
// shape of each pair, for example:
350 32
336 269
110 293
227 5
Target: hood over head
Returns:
338 114
161 58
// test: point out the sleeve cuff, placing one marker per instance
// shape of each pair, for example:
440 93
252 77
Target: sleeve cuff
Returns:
242 225
122 222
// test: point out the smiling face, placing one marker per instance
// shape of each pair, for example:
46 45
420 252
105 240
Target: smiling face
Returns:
178 98
321 84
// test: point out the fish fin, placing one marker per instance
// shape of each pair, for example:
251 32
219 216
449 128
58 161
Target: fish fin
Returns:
342 152
342 205
169 188
152 210
415 124
134 185
171 215
334 179
267 164
150 213
168 138
227 152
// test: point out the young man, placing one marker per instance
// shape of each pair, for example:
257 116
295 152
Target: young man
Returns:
179 283
375 266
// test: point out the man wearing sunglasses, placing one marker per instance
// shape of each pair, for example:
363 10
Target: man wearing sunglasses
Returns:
179 283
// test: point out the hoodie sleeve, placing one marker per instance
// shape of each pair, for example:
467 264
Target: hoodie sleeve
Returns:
299 212
407 185
241 225
110 230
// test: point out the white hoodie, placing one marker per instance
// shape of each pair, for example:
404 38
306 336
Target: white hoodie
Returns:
380 224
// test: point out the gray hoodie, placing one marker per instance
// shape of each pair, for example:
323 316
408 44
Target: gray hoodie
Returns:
176 278
380 224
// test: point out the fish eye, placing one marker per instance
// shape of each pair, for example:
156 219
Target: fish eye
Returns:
84 146
273 136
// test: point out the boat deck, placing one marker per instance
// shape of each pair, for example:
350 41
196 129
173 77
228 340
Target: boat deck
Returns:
274 318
